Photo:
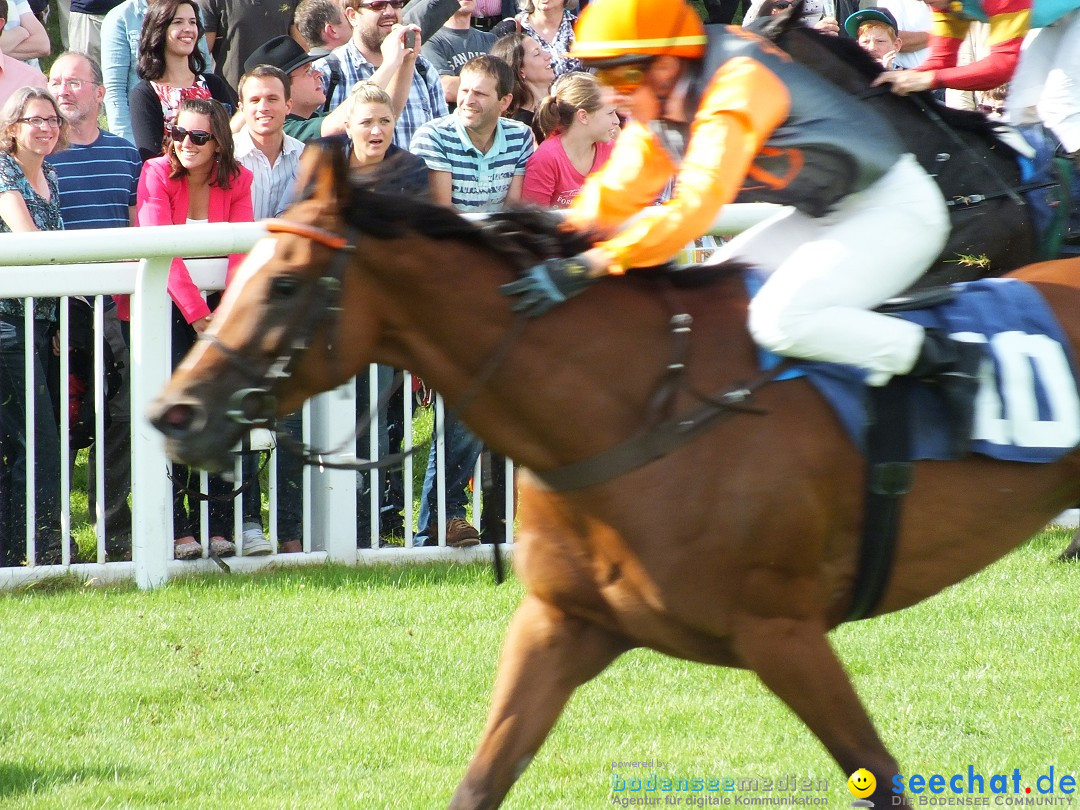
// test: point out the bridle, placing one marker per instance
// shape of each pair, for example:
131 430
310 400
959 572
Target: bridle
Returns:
254 406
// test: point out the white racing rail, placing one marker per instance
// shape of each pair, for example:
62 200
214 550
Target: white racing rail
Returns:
136 261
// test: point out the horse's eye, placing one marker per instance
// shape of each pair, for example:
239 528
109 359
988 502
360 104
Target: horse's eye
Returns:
283 287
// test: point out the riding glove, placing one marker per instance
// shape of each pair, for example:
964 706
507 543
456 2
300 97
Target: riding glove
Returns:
545 285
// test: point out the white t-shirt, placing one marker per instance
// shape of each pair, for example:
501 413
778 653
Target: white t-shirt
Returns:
16 8
911 15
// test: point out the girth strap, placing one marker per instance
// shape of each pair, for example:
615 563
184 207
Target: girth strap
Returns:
656 441
888 480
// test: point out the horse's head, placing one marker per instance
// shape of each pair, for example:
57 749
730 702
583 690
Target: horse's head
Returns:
285 301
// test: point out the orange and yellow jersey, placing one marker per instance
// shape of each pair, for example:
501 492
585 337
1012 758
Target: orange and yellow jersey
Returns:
763 129
1009 22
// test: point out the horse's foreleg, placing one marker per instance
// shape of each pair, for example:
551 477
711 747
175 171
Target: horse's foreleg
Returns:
794 659
546 655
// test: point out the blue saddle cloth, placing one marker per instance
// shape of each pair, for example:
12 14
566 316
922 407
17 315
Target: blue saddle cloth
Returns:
1027 409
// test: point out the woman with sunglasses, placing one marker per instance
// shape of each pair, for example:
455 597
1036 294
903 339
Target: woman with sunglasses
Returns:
197 180
31 129
172 68
580 126
730 117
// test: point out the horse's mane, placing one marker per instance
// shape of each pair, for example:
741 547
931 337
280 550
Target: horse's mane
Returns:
524 236
851 53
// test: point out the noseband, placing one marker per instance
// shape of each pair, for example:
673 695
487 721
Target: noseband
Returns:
254 406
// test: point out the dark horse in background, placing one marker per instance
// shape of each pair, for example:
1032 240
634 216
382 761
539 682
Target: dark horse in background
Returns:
761 561
979 175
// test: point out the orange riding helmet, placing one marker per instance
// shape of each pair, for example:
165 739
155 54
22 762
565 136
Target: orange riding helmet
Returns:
614 32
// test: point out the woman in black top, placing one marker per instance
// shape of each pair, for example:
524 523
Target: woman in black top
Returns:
172 69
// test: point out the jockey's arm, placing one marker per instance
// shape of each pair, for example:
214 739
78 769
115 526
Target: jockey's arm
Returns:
740 108
1009 21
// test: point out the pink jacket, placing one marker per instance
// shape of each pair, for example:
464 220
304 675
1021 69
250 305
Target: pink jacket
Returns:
161 201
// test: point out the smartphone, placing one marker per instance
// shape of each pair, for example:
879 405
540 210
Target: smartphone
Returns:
410 39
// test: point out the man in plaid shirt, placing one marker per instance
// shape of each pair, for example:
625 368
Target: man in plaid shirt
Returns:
378 52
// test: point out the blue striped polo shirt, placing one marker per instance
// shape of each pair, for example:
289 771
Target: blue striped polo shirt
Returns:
98 182
480 181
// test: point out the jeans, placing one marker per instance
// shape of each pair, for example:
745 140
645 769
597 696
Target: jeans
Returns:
385 376
117 445
290 480
13 447
186 507
462 450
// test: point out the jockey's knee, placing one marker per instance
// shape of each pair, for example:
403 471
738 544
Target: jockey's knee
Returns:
778 327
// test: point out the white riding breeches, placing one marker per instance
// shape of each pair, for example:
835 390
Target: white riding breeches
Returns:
826 274
1046 84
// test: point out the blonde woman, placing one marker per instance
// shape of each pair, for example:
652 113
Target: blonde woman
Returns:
579 128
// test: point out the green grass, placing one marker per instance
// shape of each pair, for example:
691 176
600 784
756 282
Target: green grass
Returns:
336 687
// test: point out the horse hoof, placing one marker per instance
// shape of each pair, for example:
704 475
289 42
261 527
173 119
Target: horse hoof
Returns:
1072 553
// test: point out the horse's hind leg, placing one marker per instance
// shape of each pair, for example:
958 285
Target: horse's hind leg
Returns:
794 659
546 655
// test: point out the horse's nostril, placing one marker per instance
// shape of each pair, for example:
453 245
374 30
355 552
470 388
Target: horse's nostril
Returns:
176 419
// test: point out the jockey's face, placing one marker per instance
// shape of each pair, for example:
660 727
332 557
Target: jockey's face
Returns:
649 96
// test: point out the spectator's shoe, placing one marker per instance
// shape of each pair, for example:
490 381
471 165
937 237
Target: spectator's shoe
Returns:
460 533
220 547
186 548
254 541
290 547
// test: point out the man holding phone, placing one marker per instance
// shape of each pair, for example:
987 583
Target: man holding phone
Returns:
387 52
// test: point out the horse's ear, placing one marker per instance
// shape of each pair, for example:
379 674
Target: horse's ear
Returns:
323 175
775 25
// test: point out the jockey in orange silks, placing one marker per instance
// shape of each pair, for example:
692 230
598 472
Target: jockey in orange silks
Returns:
731 116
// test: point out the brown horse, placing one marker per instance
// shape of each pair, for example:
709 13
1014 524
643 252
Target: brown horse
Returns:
739 548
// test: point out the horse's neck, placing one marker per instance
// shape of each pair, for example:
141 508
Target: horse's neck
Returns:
568 384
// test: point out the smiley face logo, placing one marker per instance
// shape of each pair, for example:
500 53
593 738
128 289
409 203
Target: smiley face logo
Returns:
861 783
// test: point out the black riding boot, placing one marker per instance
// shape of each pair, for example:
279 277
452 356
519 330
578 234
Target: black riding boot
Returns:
954 366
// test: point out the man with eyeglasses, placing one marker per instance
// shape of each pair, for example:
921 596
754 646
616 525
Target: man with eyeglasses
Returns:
731 117
99 177
386 52
13 73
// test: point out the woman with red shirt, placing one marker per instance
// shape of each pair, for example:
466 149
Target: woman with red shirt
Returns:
579 133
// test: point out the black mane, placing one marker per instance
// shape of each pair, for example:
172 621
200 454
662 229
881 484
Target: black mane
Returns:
524 236
850 52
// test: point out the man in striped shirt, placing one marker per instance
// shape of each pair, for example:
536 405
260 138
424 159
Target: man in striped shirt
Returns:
99 175
475 157
476 162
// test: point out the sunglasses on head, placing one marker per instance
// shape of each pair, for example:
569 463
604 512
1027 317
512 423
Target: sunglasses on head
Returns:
781 6
622 78
198 136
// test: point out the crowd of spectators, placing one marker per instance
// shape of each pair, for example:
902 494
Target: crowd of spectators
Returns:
179 111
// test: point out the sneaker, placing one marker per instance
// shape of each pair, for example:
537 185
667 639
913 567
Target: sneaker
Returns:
186 548
254 541
220 547
461 534
290 547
